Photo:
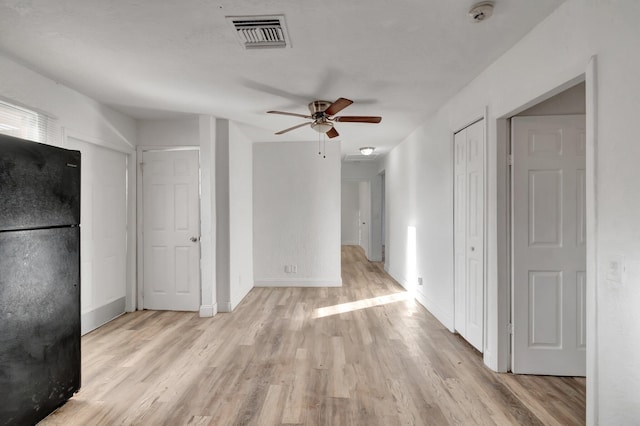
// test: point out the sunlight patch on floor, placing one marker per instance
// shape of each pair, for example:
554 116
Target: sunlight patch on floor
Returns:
360 304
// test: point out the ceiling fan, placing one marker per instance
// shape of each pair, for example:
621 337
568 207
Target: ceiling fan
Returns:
322 113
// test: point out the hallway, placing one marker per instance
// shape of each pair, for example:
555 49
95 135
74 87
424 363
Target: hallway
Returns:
362 354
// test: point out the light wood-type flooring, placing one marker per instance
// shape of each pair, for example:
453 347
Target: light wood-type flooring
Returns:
364 354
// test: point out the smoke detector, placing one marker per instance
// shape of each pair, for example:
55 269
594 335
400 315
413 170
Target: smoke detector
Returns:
481 11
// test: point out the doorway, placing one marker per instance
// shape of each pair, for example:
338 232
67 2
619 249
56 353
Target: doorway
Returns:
104 237
548 237
362 214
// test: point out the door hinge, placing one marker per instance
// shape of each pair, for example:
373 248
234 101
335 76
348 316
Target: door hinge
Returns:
510 159
510 328
142 168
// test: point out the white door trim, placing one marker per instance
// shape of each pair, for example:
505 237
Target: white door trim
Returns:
592 231
140 214
503 297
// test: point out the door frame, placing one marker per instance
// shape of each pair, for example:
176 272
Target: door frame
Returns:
485 203
140 213
504 294
374 249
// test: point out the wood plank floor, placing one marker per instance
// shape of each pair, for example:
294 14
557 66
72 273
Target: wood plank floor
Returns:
363 354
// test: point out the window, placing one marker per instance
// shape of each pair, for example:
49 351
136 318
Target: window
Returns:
27 124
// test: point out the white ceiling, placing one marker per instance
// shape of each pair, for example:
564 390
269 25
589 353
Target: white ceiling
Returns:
166 58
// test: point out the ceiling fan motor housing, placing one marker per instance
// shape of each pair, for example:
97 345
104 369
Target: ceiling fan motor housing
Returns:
317 108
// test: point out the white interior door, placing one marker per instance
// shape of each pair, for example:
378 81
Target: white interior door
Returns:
469 233
549 245
171 230
103 218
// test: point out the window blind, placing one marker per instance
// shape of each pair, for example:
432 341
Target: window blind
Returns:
27 124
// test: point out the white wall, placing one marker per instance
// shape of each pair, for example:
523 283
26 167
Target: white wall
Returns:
241 214
571 101
82 119
359 170
207 137
350 210
296 202
170 132
552 57
375 220
419 237
234 215
223 231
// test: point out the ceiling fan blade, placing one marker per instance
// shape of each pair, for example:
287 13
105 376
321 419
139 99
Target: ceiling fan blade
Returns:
332 133
338 106
289 113
357 119
293 128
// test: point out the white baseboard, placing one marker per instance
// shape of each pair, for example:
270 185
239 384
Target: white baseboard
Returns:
490 361
93 319
235 301
225 307
299 283
445 318
207 311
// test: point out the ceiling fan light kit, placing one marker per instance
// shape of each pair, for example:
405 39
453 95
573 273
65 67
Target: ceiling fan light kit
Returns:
322 113
322 126
367 150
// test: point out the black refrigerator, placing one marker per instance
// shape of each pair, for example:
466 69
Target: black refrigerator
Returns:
39 279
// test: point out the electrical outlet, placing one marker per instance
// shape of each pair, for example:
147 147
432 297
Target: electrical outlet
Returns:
294 269
287 269
419 280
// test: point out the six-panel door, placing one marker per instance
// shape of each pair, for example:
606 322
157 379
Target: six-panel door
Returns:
171 230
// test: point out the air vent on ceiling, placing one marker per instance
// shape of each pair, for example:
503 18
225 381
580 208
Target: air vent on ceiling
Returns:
260 32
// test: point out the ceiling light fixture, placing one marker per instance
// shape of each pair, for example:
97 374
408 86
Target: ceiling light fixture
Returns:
322 126
367 150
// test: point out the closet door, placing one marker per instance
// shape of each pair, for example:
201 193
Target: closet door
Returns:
469 233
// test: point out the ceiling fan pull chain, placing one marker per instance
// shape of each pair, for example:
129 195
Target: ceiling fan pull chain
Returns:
324 146
319 137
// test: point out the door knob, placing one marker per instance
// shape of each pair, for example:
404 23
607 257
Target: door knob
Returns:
193 239
473 248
